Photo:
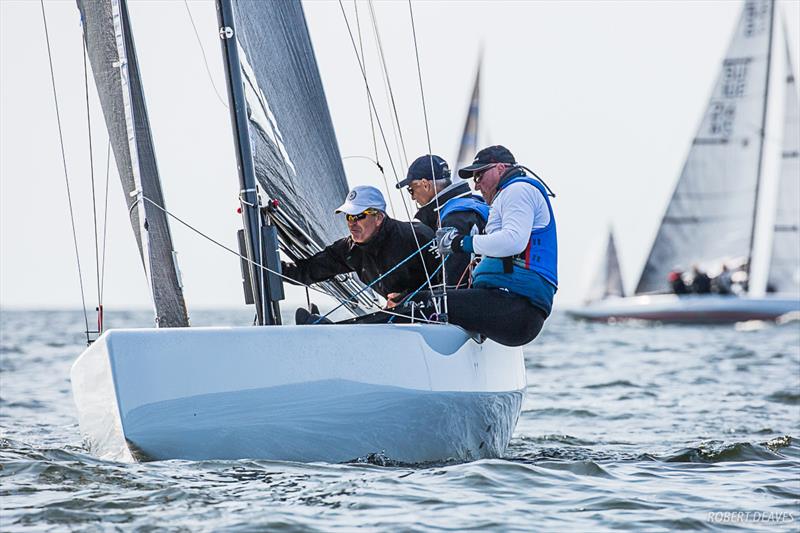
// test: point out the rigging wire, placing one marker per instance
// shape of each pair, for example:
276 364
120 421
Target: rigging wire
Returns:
383 136
369 110
205 59
369 286
341 301
388 82
428 135
66 175
371 116
94 190
105 224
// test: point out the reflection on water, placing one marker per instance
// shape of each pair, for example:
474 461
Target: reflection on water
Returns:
643 427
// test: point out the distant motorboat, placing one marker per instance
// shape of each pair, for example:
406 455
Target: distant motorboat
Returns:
711 218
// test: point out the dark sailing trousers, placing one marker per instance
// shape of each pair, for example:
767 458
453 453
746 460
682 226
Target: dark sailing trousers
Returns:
502 316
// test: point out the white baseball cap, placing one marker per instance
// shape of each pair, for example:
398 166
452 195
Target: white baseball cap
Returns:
362 198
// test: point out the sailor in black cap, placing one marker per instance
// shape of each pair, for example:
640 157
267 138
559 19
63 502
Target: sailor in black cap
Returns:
376 244
445 204
514 284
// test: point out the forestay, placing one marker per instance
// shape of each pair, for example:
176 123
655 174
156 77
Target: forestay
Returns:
710 216
784 270
112 54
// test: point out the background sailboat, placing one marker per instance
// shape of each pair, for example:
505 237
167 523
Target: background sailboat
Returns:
711 217
784 263
607 281
468 146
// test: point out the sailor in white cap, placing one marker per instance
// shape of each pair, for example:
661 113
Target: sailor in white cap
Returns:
377 243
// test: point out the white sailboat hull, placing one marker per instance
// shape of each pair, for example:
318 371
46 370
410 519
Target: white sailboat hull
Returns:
414 393
689 309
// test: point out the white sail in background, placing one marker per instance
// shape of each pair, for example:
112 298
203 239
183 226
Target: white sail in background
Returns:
608 279
784 270
710 216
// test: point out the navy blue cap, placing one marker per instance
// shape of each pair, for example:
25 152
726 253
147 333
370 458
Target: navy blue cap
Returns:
420 169
487 157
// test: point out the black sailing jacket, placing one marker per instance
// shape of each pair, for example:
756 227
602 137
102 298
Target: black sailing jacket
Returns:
393 242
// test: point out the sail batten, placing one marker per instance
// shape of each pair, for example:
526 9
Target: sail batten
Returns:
112 54
704 223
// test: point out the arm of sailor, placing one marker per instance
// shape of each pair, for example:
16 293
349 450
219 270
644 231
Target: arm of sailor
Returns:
319 267
516 207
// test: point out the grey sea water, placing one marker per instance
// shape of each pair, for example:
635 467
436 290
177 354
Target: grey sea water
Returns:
643 428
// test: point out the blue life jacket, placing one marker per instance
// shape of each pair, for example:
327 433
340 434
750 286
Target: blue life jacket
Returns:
532 273
467 203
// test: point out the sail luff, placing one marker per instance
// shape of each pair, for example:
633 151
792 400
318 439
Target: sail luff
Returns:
709 219
763 138
614 286
607 281
294 148
112 54
784 266
469 137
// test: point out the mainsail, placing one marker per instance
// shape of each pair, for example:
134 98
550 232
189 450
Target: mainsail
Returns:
112 54
294 149
469 138
784 270
608 280
296 156
711 214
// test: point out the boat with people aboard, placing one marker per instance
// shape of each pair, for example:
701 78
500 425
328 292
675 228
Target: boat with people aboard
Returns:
701 266
415 392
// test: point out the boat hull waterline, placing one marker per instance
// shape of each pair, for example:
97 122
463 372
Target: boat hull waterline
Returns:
412 393
689 309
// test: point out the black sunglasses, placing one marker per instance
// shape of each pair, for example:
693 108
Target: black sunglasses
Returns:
478 176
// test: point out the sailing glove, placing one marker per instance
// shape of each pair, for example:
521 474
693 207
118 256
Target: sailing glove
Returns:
449 241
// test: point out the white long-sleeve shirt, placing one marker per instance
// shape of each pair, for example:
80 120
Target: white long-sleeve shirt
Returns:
515 211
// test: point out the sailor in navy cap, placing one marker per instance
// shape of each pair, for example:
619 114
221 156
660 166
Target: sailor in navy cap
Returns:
514 284
443 203
376 244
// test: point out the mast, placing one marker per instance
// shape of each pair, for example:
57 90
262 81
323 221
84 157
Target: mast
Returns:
267 311
763 138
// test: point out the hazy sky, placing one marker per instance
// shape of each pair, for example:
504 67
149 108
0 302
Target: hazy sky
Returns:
602 99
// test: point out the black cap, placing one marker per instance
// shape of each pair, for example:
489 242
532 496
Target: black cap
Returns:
420 169
487 157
